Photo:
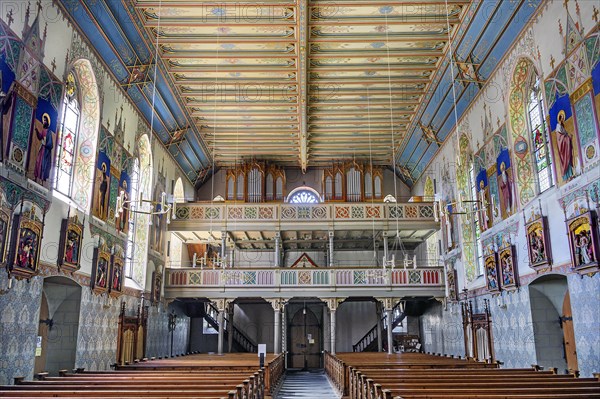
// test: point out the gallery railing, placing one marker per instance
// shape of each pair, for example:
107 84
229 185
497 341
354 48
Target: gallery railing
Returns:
309 278
307 212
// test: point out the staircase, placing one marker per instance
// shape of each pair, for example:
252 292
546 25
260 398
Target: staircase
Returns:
306 384
368 343
241 342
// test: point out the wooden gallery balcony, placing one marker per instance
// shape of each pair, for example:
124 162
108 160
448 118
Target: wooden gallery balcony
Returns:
324 216
251 228
316 282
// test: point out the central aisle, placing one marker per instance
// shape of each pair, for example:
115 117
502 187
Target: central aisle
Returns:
305 384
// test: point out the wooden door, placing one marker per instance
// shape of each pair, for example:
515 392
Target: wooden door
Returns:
569 334
304 341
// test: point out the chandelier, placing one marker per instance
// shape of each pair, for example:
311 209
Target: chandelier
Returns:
161 207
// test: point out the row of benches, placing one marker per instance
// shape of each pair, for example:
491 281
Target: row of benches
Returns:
233 376
420 376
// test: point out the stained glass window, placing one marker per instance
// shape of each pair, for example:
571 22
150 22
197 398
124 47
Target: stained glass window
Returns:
134 195
476 224
539 136
68 139
304 197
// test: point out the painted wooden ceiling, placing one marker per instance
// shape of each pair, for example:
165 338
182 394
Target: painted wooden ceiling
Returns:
300 82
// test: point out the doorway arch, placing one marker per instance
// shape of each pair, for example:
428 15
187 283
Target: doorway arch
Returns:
552 322
58 325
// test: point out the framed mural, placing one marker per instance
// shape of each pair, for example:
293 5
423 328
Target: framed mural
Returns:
484 205
508 271
116 273
538 244
100 269
70 243
157 278
4 230
25 243
122 221
491 273
102 187
583 241
506 189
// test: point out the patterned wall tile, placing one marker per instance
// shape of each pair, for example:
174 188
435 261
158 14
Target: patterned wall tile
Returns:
585 300
19 320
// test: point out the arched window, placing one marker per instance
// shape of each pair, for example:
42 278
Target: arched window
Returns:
134 195
176 246
141 180
65 154
539 134
303 195
76 152
476 222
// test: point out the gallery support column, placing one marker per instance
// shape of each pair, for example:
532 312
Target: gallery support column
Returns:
379 326
388 305
277 249
332 304
276 304
331 249
223 246
221 305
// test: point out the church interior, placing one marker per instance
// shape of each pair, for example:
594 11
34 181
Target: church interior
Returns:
400 198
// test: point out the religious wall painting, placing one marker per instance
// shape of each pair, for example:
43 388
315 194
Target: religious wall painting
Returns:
43 143
101 190
122 220
538 244
157 278
70 244
596 84
101 264
7 76
507 265
25 243
116 272
587 127
564 140
21 116
4 232
491 273
506 184
583 241
484 203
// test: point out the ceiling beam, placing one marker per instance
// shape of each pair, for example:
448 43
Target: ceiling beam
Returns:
302 10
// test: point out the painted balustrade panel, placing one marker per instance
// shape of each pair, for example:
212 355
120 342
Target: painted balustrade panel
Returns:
303 212
254 278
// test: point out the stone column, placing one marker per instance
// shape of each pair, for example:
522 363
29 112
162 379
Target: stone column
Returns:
276 304
332 304
331 249
223 246
221 305
388 305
